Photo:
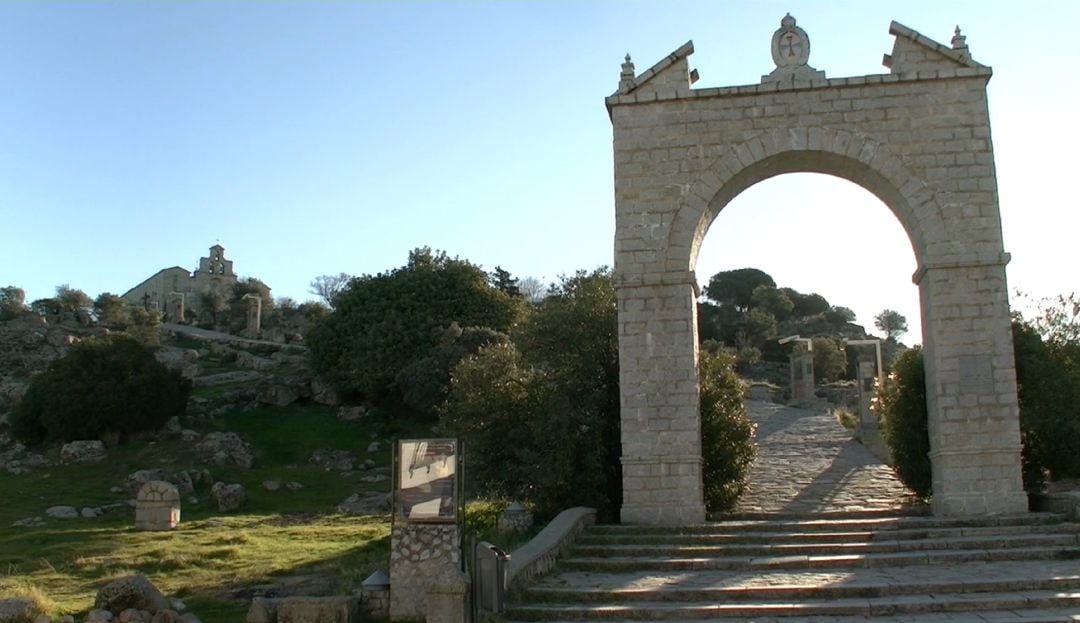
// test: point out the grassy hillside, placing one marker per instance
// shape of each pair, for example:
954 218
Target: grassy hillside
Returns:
282 541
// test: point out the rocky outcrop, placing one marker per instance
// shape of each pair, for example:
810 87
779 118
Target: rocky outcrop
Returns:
226 449
134 592
228 497
84 451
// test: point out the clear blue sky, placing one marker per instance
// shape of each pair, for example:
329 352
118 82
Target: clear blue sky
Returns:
324 137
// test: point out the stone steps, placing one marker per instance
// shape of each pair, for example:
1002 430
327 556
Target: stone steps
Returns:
1017 568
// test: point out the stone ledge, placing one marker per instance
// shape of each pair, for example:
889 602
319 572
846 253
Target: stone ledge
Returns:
774 87
540 554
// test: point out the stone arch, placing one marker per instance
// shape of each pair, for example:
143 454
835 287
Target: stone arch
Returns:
917 138
840 153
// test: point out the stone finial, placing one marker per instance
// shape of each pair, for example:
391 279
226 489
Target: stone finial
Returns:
959 41
791 53
626 76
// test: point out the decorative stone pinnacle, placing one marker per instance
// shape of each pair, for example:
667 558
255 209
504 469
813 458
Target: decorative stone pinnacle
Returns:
787 21
959 41
626 76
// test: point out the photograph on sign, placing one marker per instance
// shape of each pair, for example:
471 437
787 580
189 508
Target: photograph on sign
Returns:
427 473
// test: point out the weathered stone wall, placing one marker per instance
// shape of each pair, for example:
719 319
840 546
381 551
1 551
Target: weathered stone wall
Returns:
919 139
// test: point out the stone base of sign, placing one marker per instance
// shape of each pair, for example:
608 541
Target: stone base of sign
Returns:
421 556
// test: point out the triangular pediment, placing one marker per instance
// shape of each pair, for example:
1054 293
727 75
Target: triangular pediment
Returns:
671 73
914 52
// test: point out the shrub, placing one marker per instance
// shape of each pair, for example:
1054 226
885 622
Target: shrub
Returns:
901 406
108 385
727 433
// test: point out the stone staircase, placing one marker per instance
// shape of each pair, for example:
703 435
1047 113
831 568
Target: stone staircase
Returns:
824 566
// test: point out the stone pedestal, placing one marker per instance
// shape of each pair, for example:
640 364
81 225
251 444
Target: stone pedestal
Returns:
422 556
157 506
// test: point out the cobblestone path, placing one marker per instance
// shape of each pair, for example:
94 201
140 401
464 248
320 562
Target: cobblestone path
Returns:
807 462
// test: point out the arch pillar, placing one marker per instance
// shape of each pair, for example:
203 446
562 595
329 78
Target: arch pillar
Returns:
974 419
661 426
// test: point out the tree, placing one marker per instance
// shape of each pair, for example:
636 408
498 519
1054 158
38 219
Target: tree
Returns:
502 280
382 323
12 302
424 383
532 290
72 299
541 418
727 434
736 287
238 306
758 327
830 360
328 287
901 406
773 301
806 304
214 304
104 386
112 310
839 315
892 323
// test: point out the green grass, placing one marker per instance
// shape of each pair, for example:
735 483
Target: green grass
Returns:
283 536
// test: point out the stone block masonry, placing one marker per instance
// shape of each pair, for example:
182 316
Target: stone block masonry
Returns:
919 139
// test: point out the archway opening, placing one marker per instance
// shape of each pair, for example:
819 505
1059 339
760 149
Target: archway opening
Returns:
818 234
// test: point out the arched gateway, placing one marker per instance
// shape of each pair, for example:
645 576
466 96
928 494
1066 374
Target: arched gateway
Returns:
919 139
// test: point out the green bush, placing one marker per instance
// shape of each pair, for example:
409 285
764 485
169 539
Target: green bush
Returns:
727 434
103 386
901 406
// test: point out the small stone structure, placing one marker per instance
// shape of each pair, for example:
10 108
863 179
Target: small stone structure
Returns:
919 139
157 506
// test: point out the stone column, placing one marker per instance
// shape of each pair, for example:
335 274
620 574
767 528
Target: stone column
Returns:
868 431
254 314
802 375
660 414
974 421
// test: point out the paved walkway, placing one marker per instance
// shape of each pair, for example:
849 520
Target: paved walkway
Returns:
807 462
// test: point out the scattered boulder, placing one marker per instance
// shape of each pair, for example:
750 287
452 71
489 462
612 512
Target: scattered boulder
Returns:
366 504
137 479
374 446
228 498
325 394
85 451
271 485
352 414
375 478
276 394
339 460
165 616
134 591
62 512
293 486
251 361
29 522
226 449
19 610
98 615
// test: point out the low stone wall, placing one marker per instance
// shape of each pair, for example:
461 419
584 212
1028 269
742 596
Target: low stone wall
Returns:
540 554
